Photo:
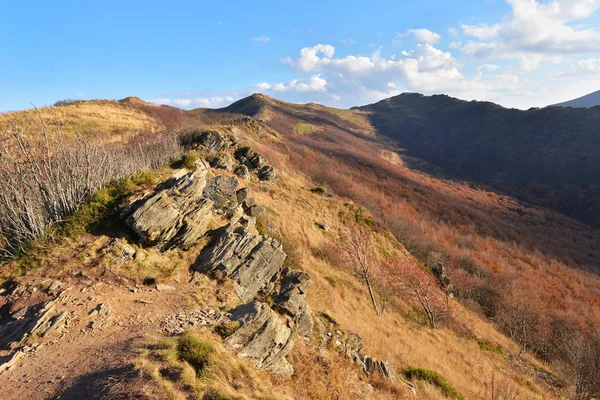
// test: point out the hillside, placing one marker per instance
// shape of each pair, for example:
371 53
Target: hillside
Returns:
545 156
120 281
587 101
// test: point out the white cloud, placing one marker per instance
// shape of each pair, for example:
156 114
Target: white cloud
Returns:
535 32
357 79
313 84
425 35
261 39
262 86
589 66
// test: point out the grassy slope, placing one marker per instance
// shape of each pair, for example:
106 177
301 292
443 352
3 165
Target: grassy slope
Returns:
116 118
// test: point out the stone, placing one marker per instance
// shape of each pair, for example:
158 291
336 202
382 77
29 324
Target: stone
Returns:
164 288
223 162
241 195
10 361
371 365
248 258
322 225
223 193
291 300
242 171
177 215
36 320
263 337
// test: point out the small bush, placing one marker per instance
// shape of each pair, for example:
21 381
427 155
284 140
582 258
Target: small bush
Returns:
196 352
435 379
319 190
189 159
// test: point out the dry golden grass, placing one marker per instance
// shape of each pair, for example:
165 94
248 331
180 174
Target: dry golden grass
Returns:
114 119
399 335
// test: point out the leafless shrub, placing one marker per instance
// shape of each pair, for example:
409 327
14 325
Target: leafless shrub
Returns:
45 178
501 389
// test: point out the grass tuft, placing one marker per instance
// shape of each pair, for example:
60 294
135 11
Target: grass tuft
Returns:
196 352
435 379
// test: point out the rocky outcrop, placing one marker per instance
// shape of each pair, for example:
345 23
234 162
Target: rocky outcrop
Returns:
36 320
350 345
291 301
214 141
371 365
251 260
176 215
255 162
262 337
222 191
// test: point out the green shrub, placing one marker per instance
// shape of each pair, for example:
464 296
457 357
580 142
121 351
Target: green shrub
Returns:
188 161
487 346
196 352
435 379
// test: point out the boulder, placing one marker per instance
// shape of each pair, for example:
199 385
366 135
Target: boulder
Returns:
291 300
176 215
371 365
263 337
223 193
223 162
248 258
251 208
243 172
266 173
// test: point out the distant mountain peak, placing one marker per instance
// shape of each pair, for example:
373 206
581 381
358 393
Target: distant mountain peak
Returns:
587 101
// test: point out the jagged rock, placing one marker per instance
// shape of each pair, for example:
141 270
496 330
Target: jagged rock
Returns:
38 320
371 365
248 258
175 216
223 162
214 141
223 193
267 173
243 172
291 300
322 225
263 337
255 162
251 208
241 195
121 249
10 361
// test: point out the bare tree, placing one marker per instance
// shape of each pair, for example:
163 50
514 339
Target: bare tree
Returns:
421 286
581 352
356 250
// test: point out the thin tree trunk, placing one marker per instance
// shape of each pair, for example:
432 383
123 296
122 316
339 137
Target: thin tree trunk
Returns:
371 294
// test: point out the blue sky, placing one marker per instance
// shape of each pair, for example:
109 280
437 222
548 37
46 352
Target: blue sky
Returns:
519 53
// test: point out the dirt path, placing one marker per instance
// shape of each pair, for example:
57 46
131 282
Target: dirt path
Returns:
96 346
